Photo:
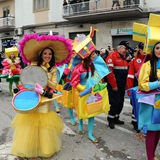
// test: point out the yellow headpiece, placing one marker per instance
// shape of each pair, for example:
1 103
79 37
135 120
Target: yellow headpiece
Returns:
148 34
9 51
83 45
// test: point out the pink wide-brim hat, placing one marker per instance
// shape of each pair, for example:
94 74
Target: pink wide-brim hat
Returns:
32 44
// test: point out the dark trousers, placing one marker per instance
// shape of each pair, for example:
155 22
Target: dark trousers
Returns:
152 140
116 100
115 3
136 2
128 2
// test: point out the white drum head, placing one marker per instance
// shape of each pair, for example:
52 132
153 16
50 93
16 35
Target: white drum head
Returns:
32 75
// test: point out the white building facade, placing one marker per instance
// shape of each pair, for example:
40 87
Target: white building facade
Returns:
19 17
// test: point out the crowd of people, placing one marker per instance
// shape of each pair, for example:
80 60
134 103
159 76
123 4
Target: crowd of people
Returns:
92 81
79 6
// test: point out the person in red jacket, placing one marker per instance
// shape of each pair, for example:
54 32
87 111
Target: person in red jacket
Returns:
117 82
132 81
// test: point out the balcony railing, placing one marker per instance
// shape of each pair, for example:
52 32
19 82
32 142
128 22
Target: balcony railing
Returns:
7 22
100 6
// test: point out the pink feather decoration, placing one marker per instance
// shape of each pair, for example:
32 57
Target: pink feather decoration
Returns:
42 38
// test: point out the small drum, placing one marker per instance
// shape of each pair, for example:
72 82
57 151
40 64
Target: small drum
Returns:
26 101
33 74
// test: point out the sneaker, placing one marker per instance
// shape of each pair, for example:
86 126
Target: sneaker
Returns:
111 124
117 121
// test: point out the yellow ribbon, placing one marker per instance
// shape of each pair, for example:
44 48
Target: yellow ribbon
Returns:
46 64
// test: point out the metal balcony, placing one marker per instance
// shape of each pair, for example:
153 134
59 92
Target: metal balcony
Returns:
7 24
95 13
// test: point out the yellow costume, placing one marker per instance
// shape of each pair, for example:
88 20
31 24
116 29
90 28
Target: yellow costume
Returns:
144 77
37 134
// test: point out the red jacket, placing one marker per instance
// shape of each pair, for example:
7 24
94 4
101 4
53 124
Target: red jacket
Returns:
119 67
134 67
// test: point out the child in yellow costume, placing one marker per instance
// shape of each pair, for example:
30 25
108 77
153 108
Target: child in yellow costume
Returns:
37 134
85 75
12 68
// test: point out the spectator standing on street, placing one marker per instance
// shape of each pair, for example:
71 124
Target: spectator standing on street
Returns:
117 82
130 54
132 77
110 49
104 53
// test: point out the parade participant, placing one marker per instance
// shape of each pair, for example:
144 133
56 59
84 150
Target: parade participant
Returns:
132 78
11 67
84 68
12 62
67 92
148 81
117 82
37 134
147 98
85 75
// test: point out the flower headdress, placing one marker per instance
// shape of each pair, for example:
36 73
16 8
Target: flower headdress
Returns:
9 51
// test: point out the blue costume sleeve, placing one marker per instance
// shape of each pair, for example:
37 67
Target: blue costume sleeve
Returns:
153 85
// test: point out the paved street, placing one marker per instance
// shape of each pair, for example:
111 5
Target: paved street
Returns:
118 144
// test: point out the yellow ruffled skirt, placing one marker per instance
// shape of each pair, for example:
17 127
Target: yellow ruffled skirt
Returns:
36 134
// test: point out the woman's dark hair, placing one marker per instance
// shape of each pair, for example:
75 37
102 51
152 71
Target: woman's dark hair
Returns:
52 61
87 64
97 52
153 62
140 46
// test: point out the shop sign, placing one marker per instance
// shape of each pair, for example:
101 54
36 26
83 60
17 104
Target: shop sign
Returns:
12 43
4 44
121 31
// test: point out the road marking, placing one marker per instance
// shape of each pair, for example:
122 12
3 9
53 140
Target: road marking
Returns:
105 122
67 130
117 127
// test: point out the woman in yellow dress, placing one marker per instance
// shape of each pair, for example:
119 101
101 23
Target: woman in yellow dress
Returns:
37 134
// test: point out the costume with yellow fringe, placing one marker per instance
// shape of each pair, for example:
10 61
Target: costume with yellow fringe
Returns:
37 132
82 86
